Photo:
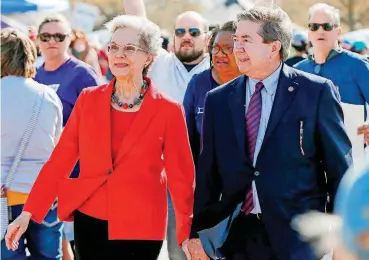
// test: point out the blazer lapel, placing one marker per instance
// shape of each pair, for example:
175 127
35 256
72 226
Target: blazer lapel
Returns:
236 99
139 126
103 124
285 92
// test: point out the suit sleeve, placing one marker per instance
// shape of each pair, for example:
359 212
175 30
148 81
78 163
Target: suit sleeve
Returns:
335 145
180 171
208 183
361 78
59 165
188 104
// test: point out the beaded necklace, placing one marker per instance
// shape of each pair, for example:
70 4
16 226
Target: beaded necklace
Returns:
137 100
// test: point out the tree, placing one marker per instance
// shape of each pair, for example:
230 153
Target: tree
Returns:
354 13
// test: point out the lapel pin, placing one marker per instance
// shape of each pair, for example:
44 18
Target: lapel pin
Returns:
290 89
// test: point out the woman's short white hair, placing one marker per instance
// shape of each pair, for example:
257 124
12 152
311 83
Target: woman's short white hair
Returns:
148 31
330 10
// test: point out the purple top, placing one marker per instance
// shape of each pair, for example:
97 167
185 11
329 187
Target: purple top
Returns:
68 81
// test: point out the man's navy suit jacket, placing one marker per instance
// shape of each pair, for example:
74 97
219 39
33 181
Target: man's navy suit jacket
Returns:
291 177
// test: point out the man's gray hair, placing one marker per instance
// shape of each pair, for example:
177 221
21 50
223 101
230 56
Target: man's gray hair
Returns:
275 25
149 32
330 10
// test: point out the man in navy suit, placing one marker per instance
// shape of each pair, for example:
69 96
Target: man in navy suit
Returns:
273 142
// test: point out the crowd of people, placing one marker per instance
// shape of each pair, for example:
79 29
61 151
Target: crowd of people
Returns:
214 144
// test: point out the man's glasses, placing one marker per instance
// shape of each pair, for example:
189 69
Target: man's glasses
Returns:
128 49
180 32
326 26
46 37
216 49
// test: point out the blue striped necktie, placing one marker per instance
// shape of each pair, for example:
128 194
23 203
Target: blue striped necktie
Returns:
253 117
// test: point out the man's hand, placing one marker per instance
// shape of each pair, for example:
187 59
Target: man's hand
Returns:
193 250
364 130
134 7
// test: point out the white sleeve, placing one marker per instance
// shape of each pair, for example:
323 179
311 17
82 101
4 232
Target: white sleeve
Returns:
161 61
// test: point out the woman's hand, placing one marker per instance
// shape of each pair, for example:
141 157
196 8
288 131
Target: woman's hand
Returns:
193 250
16 230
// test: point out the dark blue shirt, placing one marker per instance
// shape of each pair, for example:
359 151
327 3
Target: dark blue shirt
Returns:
189 67
68 81
193 104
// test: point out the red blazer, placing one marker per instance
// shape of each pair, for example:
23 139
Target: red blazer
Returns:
136 185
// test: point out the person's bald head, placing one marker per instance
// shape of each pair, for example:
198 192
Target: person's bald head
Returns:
190 37
191 19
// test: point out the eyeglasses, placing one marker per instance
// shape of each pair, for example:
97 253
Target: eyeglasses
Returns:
180 32
216 49
326 26
46 37
128 49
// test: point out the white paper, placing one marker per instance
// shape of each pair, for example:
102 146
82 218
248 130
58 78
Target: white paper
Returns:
354 117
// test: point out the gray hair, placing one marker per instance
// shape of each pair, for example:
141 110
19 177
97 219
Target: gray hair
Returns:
330 10
148 31
275 25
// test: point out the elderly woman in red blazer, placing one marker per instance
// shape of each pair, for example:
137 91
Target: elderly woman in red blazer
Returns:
124 134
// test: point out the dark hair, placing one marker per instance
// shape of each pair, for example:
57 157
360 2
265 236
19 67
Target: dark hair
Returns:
165 42
300 48
229 26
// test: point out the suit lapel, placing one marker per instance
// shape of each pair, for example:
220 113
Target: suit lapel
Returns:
236 100
285 93
103 122
139 126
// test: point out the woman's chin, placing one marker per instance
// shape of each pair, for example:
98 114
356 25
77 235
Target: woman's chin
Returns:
122 74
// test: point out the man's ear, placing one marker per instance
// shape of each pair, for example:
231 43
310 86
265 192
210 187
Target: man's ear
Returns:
276 48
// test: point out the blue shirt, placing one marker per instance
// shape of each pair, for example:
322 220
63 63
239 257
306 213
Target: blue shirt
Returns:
267 96
68 81
193 104
348 71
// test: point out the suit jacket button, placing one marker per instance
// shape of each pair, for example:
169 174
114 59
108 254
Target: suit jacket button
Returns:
110 171
256 173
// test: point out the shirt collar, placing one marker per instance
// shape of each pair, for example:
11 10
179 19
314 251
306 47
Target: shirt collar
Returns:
270 83
333 53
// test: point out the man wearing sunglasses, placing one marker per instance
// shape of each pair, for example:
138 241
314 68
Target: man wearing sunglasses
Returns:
171 73
348 71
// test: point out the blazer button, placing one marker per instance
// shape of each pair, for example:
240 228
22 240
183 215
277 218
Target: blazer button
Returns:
256 173
110 171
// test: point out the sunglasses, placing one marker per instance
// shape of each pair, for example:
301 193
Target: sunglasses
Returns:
216 49
326 26
128 49
180 32
46 37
